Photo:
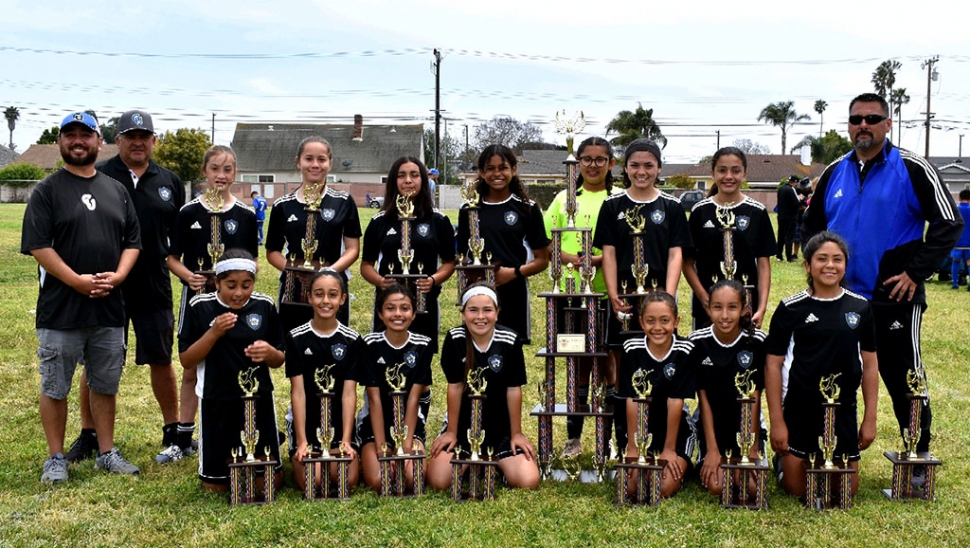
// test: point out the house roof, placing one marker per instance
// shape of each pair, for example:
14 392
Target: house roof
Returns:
48 156
272 147
542 162
761 168
7 156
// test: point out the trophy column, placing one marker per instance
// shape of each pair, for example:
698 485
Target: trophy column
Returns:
645 469
313 194
905 462
323 458
482 469
828 485
393 462
405 255
470 268
215 248
244 464
742 471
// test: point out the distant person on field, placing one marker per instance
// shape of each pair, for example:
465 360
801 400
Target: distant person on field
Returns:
789 203
259 204
961 253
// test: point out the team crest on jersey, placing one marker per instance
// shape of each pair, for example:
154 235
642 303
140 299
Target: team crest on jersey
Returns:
743 222
670 370
338 351
423 230
745 358
657 216
165 194
411 358
852 319
232 226
327 214
254 321
511 217
495 363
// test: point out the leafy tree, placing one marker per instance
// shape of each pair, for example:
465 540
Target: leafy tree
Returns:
896 102
748 146
109 129
450 149
826 149
12 114
49 137
508 131
634 125
820 107
681 180
884 77
21 176
182 152
782 115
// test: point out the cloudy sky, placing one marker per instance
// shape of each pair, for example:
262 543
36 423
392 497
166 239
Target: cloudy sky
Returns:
702 66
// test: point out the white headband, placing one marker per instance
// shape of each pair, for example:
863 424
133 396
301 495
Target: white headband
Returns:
479 290
235 264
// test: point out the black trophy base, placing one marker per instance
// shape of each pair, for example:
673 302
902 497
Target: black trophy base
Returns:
903 468
828 488
243 478
738 476
330 488
408 280
293 276
482 476
584 475
543 353
392 476
573 295
646 489
560 410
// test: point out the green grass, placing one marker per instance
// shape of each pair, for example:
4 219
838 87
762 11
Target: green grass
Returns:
166 506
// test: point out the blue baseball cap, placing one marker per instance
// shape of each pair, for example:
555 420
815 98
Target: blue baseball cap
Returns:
433 172
81 118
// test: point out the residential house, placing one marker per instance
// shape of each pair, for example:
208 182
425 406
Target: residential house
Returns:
7 156
954 170
48 157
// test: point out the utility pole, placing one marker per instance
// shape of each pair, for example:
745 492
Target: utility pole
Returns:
436 70
466 144
718 139
213 128
960 150
931 75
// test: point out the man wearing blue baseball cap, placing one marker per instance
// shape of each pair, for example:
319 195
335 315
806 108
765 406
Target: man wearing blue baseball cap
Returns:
81 227
433 184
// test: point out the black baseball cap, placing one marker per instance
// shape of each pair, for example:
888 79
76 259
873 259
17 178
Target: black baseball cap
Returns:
135 120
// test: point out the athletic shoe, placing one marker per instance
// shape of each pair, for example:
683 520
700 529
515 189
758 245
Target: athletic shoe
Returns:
83 448
573 448
55 469
113 462
172 453
192 449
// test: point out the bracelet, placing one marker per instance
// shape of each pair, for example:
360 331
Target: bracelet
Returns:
518 271
433 282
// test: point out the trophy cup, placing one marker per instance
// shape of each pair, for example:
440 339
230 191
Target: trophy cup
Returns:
725 217
640 269
393 462
324 458
470 267
215 248
570 127
644 469
405 255
828 485
906 461
482 468
739 472
244 464
297 273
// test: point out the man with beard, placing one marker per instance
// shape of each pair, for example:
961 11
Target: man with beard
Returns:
81 227
157 194
880 199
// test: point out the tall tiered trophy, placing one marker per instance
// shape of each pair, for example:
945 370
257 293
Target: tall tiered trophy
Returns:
575 302
640 270
324 458
295 288
215 248
907 461
471 268
729 266
405 255
393 461
482 468
741 472
645 469
829 483
244 464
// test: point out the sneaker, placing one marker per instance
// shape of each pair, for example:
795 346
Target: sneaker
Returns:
113 462
918 480
55 469
172 453
192 449
574 447
83 448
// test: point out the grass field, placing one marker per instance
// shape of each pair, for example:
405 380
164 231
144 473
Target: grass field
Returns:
166 506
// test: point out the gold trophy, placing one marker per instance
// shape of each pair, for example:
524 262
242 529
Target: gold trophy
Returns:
910 460
325 434
392 464
295 290
481 469
244 463
828 486
644 470
214 202
570 127
739 473
725 217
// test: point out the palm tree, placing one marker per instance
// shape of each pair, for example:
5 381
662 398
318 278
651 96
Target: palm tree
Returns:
782 115
884 77
820 107
12 114
896 102
635 125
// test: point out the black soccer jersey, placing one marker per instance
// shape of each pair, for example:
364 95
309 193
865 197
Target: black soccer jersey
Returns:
193 232
716 365
413 360
336 219
88 222
670 377
507 227
665 228
308 352
219 372
158 195
432 239
503 367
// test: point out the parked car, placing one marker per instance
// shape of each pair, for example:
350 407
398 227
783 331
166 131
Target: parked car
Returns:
376 203
691 197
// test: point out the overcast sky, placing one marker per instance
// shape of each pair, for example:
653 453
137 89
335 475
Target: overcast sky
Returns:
702 66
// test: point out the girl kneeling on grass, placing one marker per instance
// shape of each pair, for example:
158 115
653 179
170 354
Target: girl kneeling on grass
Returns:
394 351
729 347
222 335
663 358
827 330
496 353
325 344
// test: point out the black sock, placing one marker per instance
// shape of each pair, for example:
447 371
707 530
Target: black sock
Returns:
185 430
170 434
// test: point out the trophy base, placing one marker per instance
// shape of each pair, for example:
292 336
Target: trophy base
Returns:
210 280
903 468
544 353
482 477
242 481
828 488
471 273
294 273
559 410
327 490
646 490
584 475
392 480
736 494
576 295
408 280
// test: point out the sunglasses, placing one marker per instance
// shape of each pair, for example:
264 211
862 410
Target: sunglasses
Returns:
871 119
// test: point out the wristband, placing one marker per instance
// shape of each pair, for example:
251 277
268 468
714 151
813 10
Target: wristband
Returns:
433 282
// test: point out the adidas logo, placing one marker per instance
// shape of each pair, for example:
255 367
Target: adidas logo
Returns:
196 225
811 318
707 360
621 216
308 352
391 232
838 193
380 361
708 224
896 325
292 219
